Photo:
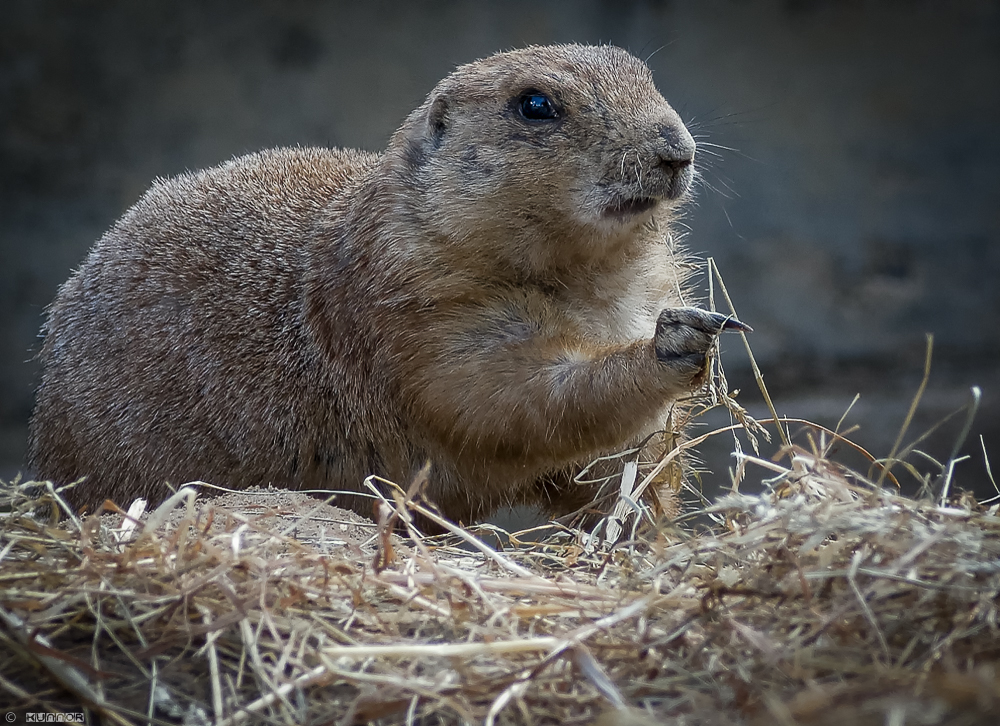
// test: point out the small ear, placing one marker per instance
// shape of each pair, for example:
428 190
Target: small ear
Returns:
437 120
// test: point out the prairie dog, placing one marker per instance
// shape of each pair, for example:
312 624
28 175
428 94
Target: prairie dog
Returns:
497 292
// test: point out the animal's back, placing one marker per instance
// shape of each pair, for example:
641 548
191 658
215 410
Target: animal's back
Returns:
187 317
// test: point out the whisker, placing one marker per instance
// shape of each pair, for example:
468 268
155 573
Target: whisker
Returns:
719 146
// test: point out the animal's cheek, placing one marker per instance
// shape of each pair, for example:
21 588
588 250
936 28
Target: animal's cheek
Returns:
473 165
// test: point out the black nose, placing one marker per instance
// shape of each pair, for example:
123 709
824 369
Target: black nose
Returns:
676 147
675 157
675 151
675 165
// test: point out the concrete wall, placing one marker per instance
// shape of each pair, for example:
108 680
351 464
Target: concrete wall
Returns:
852 199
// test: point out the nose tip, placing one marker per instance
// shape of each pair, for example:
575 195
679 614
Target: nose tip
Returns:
675 165
677 147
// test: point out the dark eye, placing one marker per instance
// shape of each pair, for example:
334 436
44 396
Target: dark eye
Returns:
537 107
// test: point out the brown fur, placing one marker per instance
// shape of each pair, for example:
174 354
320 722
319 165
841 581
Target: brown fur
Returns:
481 295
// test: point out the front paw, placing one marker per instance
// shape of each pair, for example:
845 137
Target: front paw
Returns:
685 336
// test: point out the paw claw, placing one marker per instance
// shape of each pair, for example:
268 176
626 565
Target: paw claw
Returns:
729 323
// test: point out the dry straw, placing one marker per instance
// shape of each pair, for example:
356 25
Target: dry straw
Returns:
823 599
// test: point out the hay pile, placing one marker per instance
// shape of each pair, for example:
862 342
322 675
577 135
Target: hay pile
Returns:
823 600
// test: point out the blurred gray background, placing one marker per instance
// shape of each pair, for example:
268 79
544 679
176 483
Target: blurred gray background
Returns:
852 202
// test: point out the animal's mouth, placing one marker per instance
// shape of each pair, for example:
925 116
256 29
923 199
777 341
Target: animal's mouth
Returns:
625 209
